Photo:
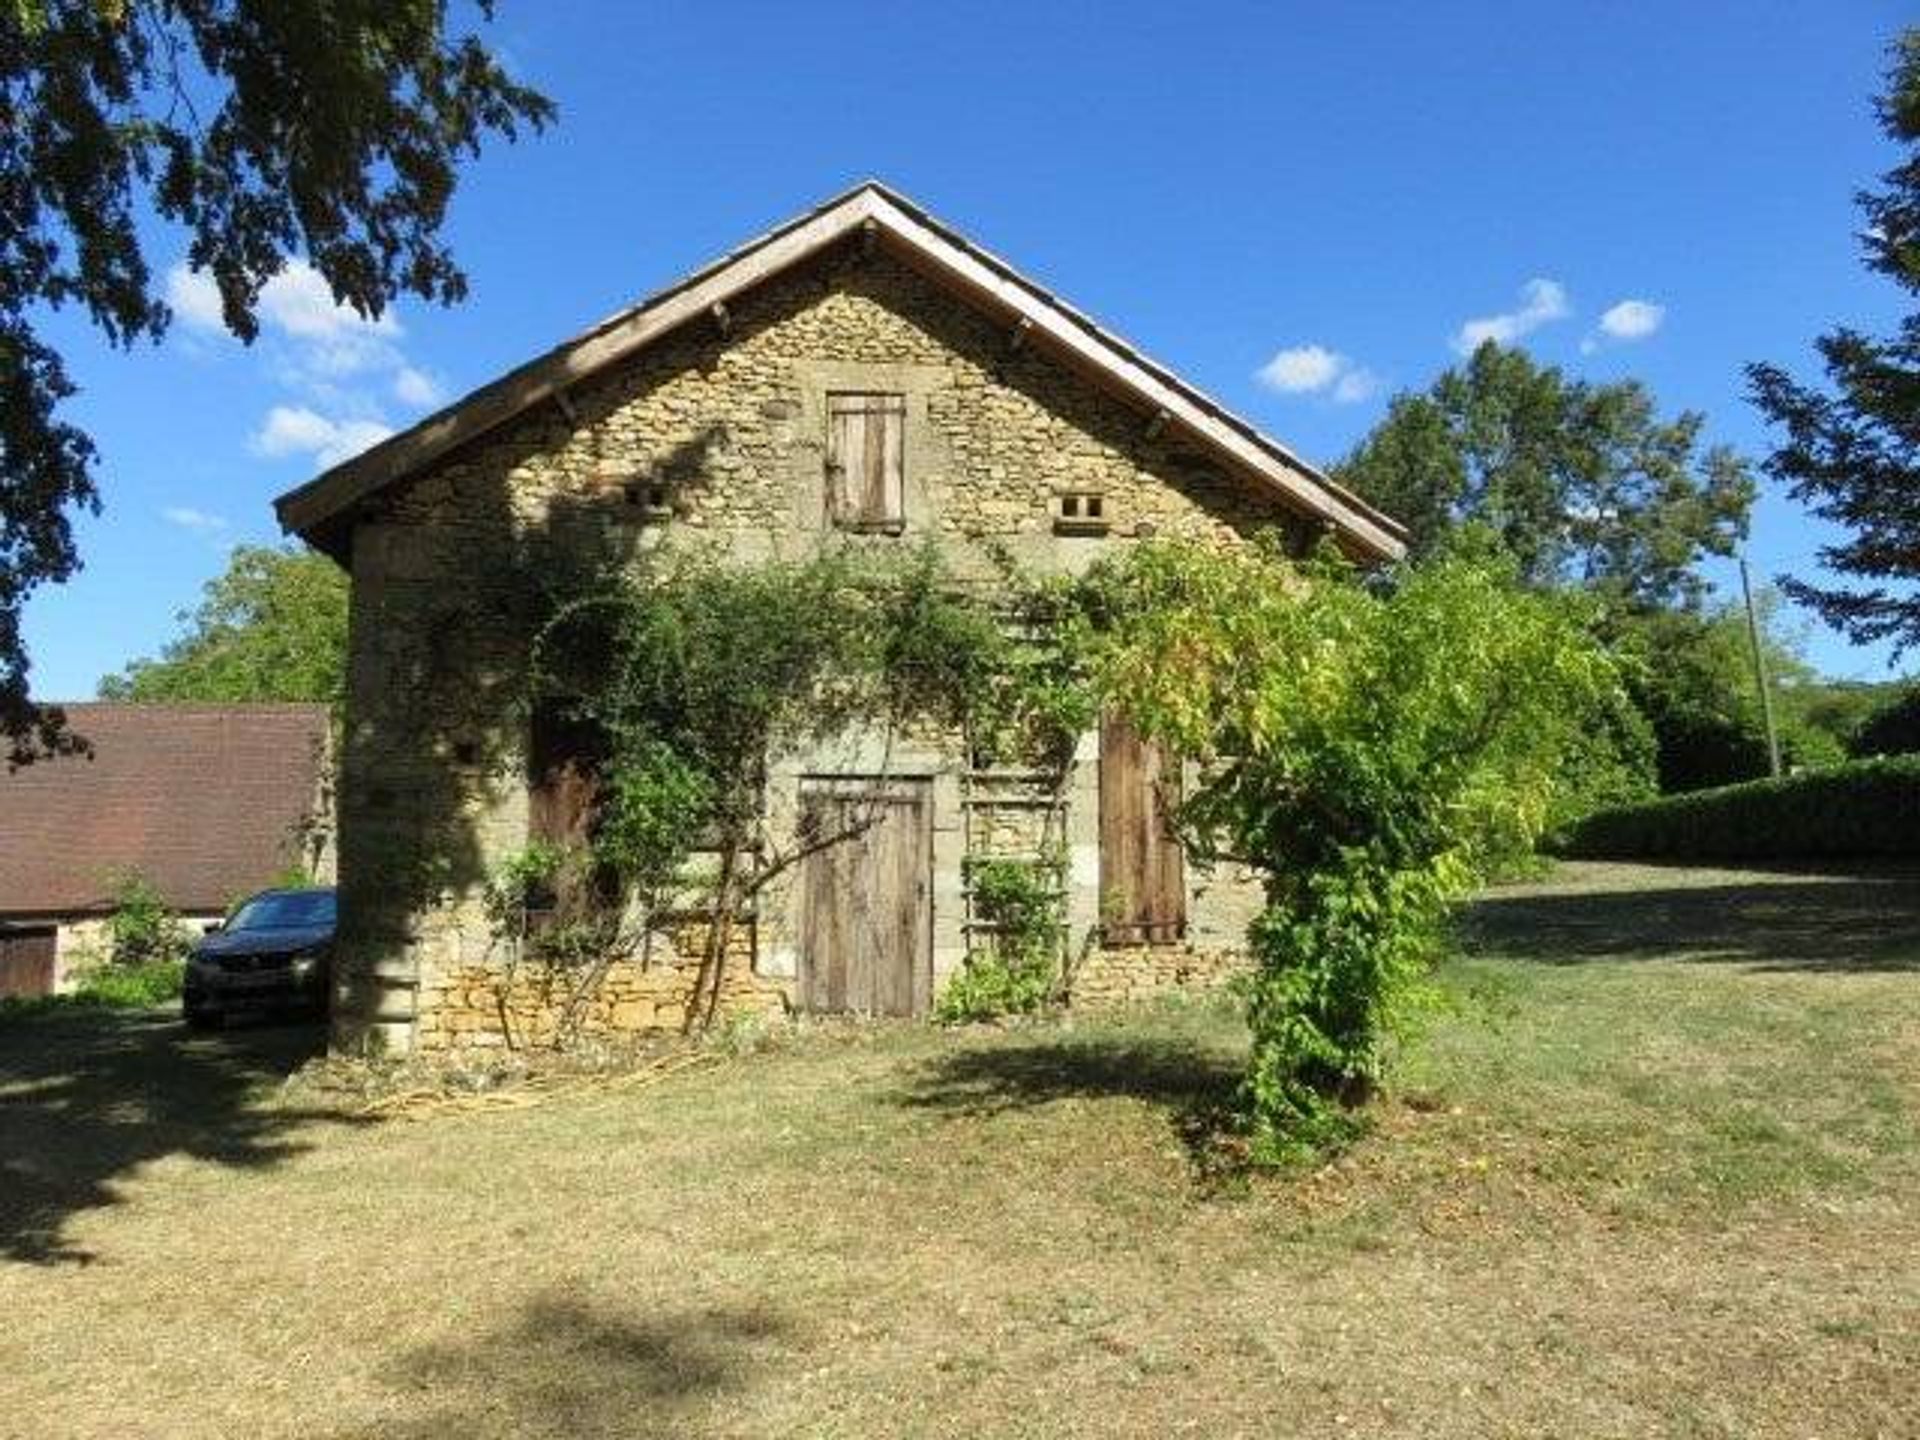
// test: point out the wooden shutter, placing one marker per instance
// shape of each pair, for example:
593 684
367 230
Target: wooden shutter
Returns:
866 461
1143 881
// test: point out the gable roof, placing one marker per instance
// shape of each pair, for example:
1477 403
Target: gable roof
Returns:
317 509
206 802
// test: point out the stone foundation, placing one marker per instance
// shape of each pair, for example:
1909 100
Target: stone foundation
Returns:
1106 978
472 1007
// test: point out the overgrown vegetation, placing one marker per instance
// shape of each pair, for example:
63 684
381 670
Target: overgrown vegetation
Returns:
1369 751
688 680
142 929
1017 969
1865 808
1893 729
143 964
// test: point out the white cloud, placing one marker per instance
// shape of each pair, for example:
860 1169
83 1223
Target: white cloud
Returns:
1633 319
1313 370
1302 369
1624 323
1354 385
341 367
296 430
188 518
1541 302
299 301
416 387
194 298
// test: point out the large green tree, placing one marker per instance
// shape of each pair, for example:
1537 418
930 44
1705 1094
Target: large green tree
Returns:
267 129
1580 482
272 626
1852 451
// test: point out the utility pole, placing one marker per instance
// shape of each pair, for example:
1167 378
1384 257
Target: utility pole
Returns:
1760 674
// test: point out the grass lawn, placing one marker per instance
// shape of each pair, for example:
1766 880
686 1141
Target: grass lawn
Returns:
1653 1173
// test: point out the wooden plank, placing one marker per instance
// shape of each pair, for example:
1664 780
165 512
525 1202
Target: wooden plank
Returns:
1143 897
886 489
866 903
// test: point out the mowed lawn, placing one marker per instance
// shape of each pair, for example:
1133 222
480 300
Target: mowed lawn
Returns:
1655 1171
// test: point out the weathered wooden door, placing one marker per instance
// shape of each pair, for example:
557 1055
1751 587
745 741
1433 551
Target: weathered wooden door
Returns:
1143 880
27 961
866 907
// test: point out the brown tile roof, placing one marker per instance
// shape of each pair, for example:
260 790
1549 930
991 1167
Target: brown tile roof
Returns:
205 801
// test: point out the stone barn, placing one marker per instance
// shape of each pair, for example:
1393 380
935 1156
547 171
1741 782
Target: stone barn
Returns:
862 375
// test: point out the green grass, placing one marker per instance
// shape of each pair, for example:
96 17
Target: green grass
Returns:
1645 1176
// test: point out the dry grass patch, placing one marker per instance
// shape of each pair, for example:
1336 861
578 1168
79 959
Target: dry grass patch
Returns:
1615 1193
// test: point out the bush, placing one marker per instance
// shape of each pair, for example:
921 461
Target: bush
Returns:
1867 808
1894 729
142 930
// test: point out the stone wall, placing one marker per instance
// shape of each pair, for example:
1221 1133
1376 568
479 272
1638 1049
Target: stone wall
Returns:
707 439
472 1007
1105 978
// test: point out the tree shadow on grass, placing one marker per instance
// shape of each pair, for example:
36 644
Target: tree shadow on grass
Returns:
1857 923
88 1095
565 1367
1194 1085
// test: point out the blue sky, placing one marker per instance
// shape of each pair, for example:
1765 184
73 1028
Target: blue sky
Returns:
1298 207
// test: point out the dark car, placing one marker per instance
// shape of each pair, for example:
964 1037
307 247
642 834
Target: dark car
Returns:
272 956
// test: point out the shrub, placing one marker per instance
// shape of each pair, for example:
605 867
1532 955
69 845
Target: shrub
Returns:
1020 900
1867 808
142 931
1371 749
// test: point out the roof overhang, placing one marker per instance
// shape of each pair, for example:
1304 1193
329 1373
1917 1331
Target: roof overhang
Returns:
321 510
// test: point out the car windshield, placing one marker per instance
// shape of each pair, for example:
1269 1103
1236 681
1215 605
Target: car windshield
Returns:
289 910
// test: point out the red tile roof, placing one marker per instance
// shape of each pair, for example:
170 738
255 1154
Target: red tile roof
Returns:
204 801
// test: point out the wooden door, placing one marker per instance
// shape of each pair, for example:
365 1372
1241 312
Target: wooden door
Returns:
27 960
1143 879
866 922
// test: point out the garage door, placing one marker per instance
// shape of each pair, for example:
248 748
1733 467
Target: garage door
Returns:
26 961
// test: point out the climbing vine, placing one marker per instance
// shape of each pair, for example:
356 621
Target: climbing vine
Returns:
1020 905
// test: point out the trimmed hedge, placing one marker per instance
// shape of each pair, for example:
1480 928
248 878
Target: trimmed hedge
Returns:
1868 808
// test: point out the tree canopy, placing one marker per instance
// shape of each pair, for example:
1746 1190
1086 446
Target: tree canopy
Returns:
1579 481
268 129
1852 452
272 626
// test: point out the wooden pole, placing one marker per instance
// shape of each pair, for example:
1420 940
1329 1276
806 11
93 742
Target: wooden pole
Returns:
1760 673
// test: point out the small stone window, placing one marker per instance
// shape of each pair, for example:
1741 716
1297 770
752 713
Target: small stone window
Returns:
1080 512
866 462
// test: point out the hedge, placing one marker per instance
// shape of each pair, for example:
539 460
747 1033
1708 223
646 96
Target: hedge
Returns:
1867 808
